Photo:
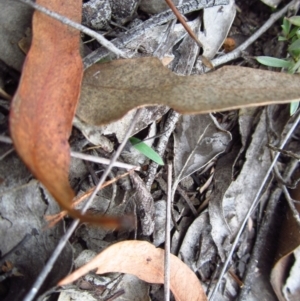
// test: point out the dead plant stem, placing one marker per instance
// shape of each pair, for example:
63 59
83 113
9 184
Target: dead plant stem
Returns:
167 236
102 160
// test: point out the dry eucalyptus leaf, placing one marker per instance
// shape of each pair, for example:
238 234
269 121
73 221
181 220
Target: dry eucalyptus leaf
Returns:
110 90
220 230
291 288
217 23
288 243
44 105
241 192
197 248
143 260
22 210
144 203
197 140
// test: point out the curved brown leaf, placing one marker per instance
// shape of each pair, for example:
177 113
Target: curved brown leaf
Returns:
143 260
110 90
44 104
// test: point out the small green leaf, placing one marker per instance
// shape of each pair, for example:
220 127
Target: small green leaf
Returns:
280 38
293 107
273 62
146 150
293 33
296 67
295 46
295 20
286 26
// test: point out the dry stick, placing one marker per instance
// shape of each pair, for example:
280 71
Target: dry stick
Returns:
252 207
5 139
167 236
54 219
6 153
108 45
156 20
63 241
291 204
81 156
180 18
188 201
183 22
103 161
284 152
161 146
238 51
160 50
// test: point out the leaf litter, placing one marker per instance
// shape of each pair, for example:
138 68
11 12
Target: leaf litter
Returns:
202 250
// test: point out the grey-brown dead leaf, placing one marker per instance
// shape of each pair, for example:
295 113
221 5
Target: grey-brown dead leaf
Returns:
144 204
22 211
15 19
197 140
112 89
217 23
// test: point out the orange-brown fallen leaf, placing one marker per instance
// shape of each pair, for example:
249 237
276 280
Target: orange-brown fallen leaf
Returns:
110 90
45 102
143 260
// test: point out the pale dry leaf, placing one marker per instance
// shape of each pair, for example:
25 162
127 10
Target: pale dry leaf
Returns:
217 23
197 140
143 260
144 204
112 89
288 242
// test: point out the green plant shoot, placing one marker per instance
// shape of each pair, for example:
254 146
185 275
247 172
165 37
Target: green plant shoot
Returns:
291 35
146 150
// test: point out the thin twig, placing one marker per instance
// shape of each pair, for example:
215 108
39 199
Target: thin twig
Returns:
5 139
284 152
291 204
183 22
252 207
167 236
180 18
187 199
103 160
237 53
105 43
54 219
7 153
63 241
161 146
